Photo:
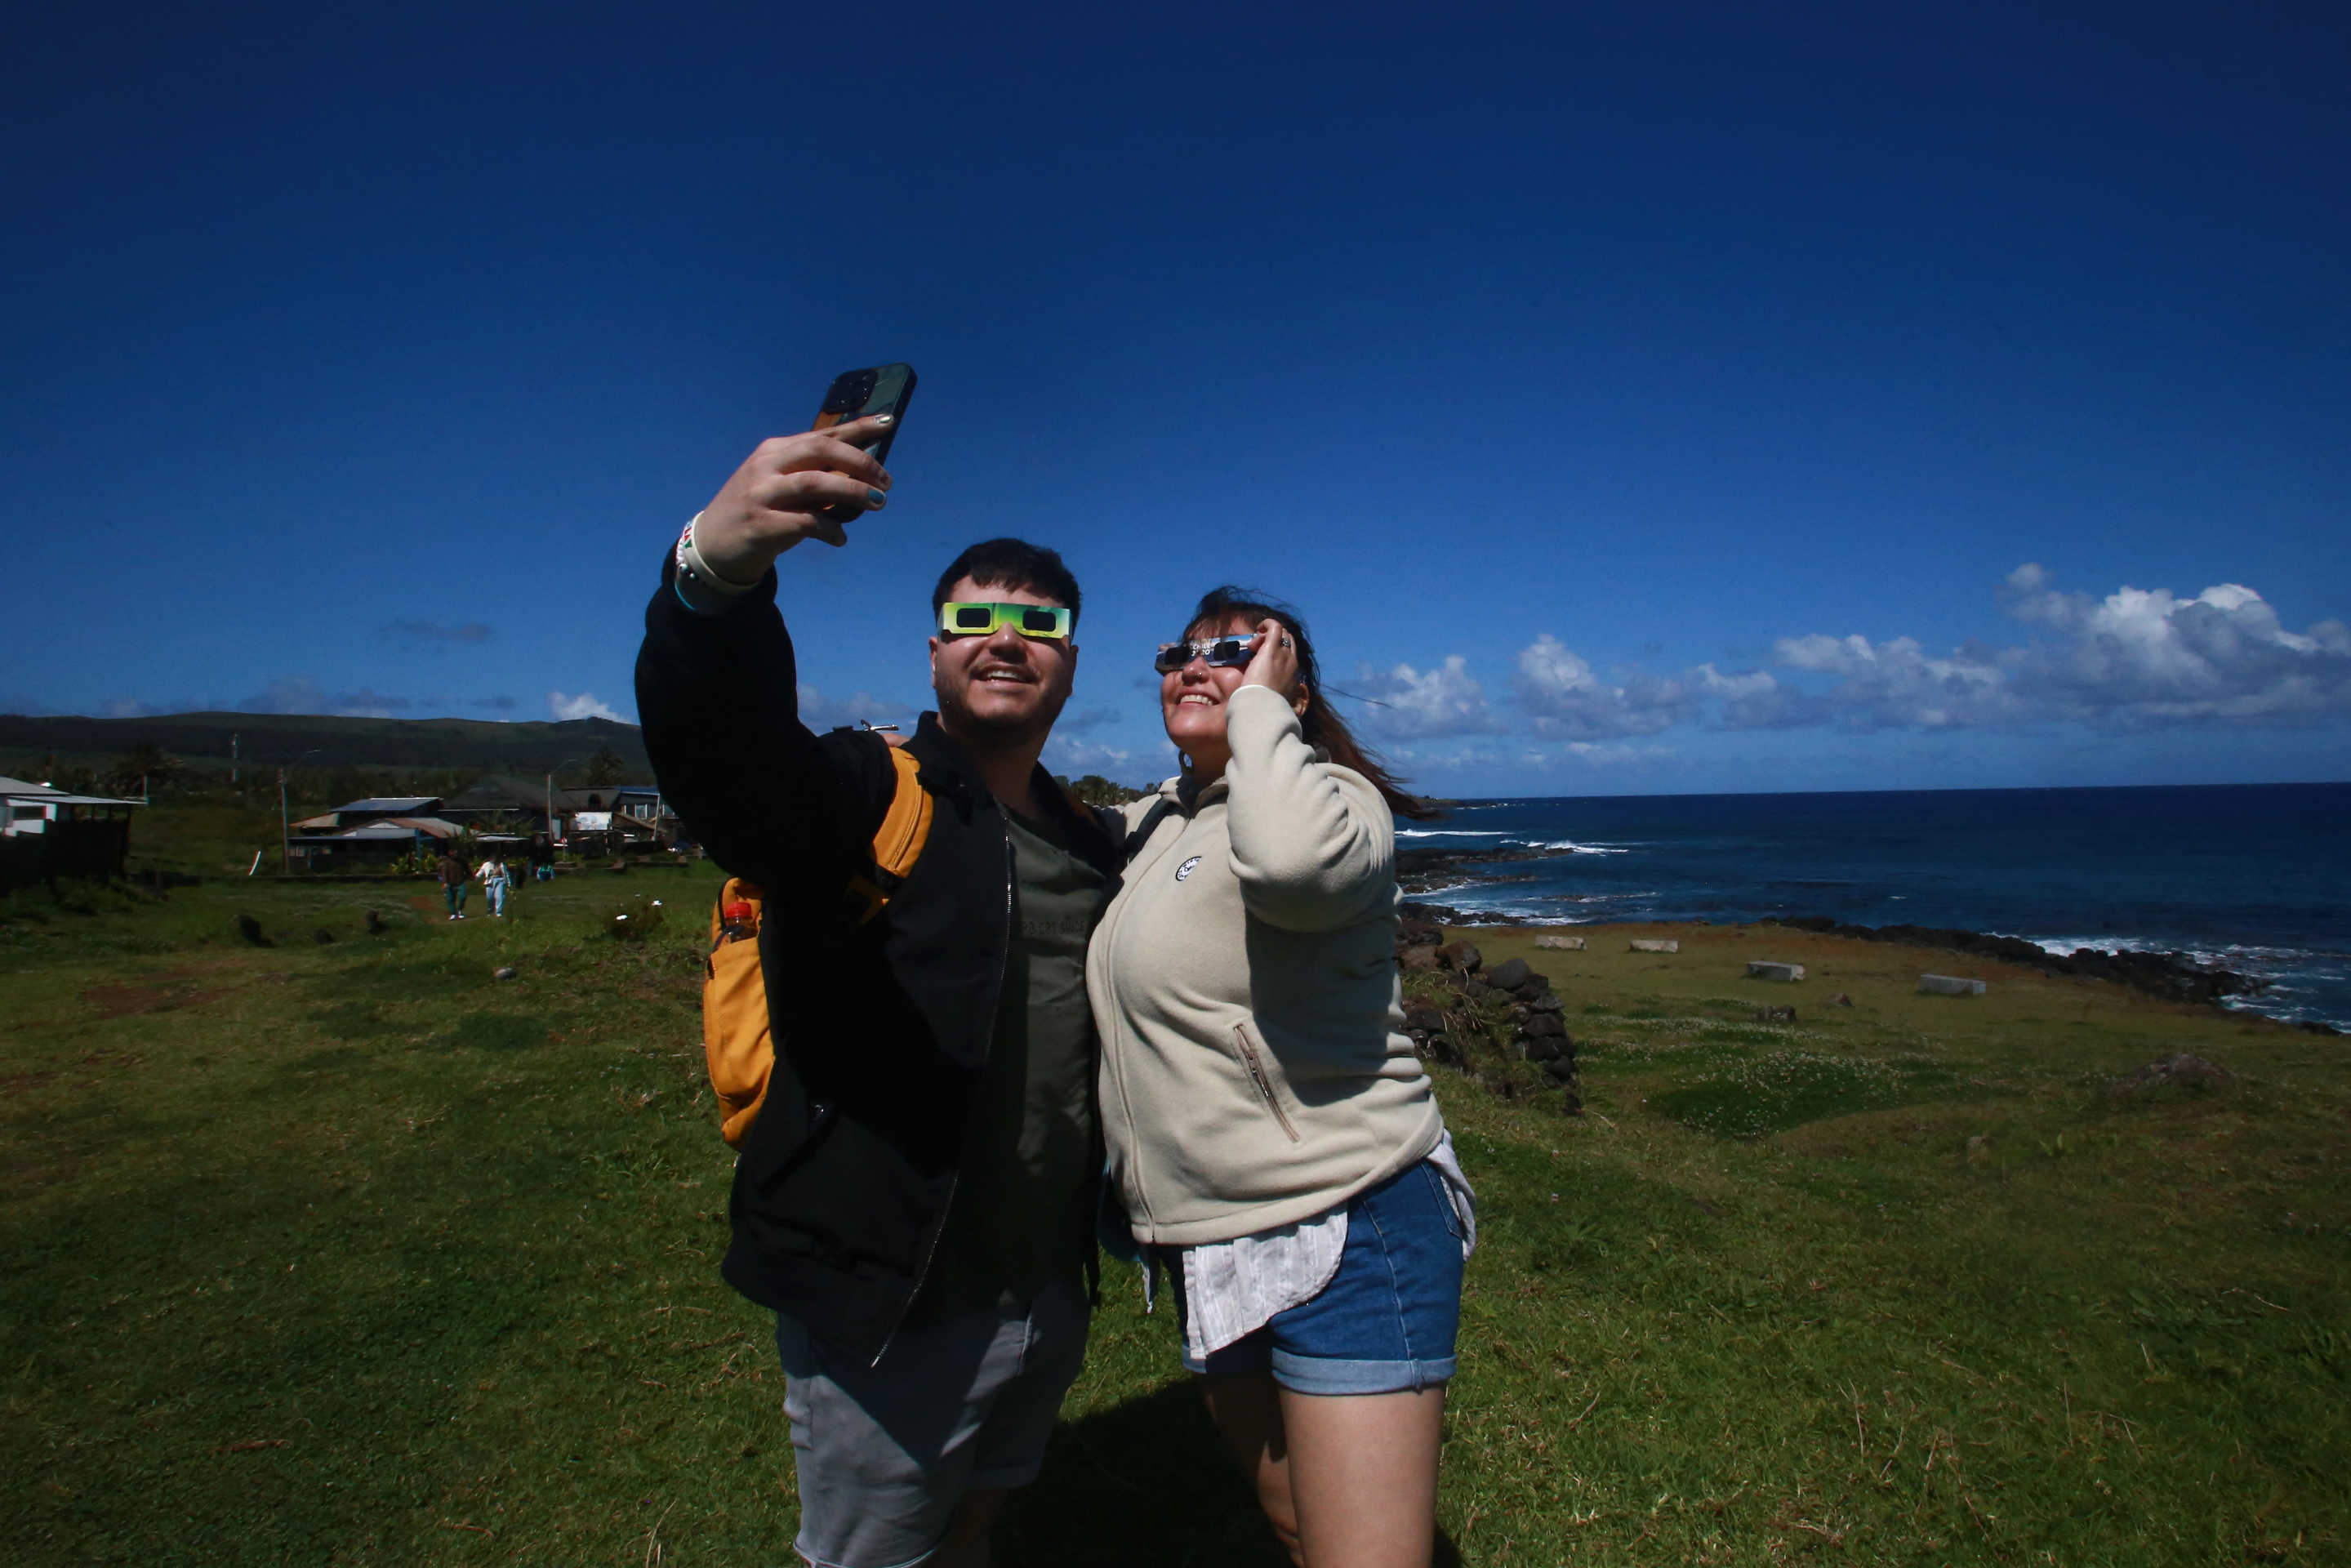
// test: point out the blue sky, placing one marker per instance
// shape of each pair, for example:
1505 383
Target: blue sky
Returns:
1640 399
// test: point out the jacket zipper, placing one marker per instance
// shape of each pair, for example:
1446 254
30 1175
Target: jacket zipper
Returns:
1264 1084
955 1178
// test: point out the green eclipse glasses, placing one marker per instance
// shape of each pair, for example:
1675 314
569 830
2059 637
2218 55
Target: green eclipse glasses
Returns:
970 619
1222 652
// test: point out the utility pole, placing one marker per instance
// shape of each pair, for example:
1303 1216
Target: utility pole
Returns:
550 798
232 739
284 832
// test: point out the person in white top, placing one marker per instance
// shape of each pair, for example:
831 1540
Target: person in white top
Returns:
1271 1131
495 882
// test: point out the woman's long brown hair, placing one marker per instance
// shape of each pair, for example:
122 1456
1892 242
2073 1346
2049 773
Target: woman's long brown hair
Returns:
1220 607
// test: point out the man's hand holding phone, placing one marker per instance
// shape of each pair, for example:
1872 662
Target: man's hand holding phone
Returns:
781 493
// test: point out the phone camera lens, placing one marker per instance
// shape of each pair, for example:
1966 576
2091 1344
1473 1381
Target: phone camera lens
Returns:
851 392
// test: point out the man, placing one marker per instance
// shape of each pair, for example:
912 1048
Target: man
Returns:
915 1198
453 877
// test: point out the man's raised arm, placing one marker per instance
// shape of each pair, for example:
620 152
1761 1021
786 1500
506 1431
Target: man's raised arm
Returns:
718 688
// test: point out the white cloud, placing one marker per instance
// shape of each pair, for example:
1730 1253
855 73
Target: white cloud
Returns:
2139 658
1409 704
1896 685
587 704
1074 759
822 713
1558 689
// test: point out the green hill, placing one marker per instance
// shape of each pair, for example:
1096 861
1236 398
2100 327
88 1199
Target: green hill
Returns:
269 740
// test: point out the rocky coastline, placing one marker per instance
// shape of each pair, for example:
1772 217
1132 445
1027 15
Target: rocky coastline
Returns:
1424 871
2176 977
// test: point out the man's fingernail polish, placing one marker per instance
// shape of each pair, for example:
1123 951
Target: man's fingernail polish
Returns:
875 500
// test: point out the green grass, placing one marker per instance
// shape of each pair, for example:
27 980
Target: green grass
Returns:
351 1254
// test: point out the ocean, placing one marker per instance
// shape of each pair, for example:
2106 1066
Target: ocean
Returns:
2254 878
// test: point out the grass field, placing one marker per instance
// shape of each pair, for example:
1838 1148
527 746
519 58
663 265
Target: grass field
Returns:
348 1253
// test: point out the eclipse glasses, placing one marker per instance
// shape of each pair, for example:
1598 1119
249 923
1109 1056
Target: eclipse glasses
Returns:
1222 652
974 620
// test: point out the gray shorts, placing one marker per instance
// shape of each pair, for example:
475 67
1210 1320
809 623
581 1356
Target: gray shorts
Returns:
884 1454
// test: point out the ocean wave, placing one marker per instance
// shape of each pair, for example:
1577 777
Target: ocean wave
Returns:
2228 955
1446 833
1577 848
1592 897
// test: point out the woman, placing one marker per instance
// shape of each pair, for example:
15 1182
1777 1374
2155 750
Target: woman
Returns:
1272 1134
495 882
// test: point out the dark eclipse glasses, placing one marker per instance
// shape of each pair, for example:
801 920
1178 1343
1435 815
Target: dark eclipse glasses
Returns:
1222 652
968 619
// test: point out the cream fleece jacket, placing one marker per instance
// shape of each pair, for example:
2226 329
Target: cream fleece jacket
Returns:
1255 1068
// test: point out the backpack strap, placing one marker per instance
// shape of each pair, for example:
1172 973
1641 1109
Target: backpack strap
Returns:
898 842
1144 829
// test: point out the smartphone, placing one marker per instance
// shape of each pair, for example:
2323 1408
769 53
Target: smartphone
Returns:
854 394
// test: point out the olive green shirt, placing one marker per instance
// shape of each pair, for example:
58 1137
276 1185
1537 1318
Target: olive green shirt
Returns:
1022 1215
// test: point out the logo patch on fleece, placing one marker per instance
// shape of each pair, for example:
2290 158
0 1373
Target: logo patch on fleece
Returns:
1186 869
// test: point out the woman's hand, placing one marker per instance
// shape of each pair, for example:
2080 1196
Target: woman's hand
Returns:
779 497
1275 663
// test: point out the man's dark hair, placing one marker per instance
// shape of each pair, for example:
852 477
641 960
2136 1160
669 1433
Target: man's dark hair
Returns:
1010 563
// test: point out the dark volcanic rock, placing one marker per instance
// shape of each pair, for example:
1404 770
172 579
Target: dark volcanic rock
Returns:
1509 974
1419 960
1423 871
2174 976
1462 958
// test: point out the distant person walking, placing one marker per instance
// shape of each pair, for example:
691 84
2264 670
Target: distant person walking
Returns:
495 882
542 858
453 877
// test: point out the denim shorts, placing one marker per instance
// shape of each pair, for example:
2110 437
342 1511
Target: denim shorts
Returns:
1386 1322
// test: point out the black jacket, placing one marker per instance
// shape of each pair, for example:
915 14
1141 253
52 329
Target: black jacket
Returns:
881 1030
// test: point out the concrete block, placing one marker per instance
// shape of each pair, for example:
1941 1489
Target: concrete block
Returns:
1561 943
1949 985
1764 969
1655 944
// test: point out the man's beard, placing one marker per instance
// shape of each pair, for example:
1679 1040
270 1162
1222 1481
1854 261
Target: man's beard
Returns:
957 719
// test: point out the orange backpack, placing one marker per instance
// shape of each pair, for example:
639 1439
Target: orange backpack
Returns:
734 1039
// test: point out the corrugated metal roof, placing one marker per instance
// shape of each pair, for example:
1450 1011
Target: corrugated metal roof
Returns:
390 804
404 828
23 790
